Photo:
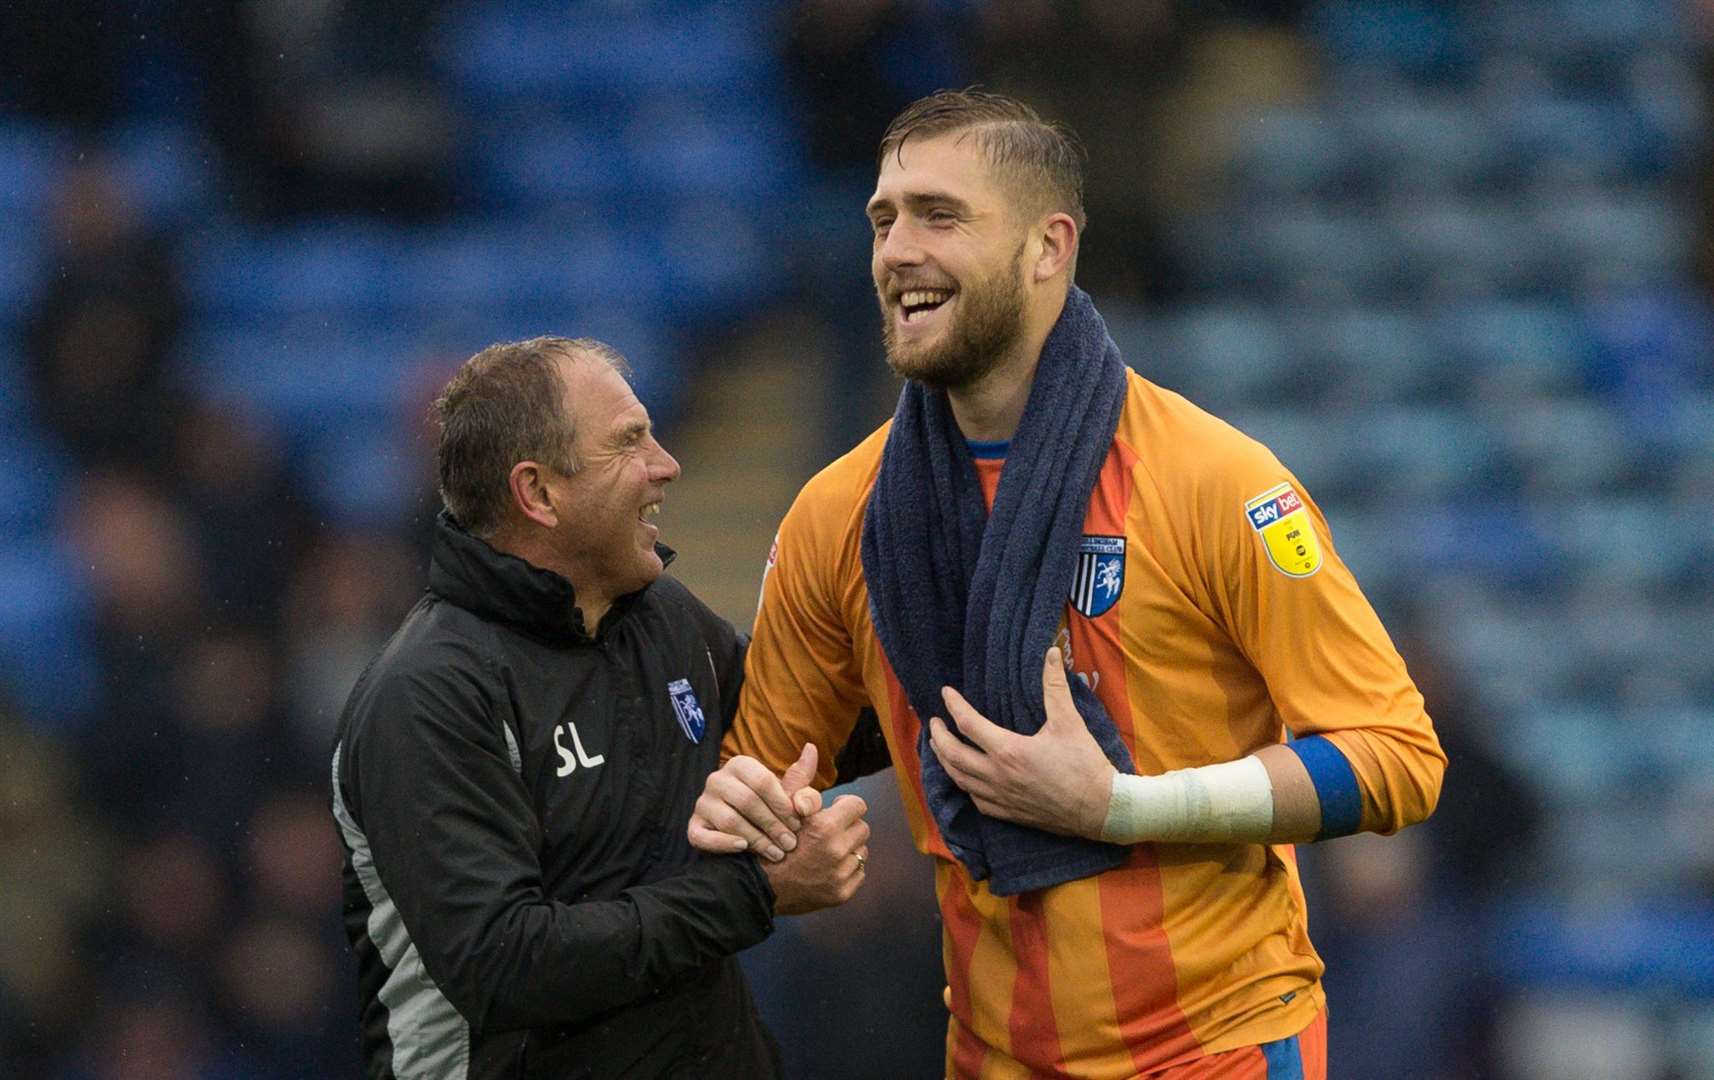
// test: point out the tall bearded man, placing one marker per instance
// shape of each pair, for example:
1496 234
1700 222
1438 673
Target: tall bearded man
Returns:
1122 606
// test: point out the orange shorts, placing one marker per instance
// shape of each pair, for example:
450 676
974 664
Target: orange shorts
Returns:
1301 1057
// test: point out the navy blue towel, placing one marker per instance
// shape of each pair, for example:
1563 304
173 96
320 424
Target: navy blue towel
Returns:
964 598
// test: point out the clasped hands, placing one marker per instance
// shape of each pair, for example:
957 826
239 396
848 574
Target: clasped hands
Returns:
1058 780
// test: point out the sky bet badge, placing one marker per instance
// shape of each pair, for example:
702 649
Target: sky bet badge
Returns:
1287 533
689 713
1100 574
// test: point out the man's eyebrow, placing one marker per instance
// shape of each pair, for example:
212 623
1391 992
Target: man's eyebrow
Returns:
634 427
923 200
918 201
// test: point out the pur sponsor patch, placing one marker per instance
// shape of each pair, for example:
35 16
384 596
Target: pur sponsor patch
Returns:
1288 535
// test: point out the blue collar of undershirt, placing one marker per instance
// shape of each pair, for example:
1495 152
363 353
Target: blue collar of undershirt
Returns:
987 451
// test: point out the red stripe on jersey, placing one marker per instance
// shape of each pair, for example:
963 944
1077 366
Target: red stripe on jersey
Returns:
1139 962
905 757
962 926
1139 956
1096 651
1034 1028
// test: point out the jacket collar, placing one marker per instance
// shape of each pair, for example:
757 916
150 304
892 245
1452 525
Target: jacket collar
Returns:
466 570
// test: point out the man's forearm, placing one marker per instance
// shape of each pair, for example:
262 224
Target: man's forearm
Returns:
1264 798
558 963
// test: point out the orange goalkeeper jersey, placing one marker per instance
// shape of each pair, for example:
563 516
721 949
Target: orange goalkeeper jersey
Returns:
1211 615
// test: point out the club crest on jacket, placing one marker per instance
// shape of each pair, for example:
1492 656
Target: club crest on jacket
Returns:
687 709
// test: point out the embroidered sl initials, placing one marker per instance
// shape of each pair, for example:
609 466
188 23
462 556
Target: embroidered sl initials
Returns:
567 763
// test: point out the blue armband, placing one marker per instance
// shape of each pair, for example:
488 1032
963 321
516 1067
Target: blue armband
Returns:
1335 785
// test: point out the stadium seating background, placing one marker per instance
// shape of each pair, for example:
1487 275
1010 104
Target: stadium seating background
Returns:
1448 260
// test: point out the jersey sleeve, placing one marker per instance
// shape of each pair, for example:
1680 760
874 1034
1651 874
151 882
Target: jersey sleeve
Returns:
802 680
1333 673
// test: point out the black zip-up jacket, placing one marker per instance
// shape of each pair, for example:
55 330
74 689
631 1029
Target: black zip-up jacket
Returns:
512 796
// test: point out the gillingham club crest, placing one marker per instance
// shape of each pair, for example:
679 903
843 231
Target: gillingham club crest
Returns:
1100 576
689 712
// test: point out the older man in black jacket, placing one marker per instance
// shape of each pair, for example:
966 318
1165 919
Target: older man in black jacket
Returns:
514 772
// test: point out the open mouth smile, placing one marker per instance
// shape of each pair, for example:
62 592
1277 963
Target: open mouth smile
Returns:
915 304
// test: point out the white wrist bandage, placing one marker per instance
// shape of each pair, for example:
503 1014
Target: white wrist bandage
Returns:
1215 804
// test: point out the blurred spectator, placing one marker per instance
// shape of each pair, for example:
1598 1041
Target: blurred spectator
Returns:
282 1004
856 63
328 106
1145 85
100 338
53 862
347 594
229 474
175 899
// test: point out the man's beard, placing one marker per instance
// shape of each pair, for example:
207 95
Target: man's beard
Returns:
988 323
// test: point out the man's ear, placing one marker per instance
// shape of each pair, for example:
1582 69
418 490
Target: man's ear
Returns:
1058 246
530 494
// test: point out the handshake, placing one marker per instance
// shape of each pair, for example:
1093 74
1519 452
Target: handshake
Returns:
815 857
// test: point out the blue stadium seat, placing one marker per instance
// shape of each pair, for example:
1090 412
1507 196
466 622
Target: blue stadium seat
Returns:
46 658
320 267
34 474
1224 355
543 159
1326 250
1578 751
1658 949
1469 247
15 390
1681 738
719 261
1565 446
1425 452
676 149
304 378
1494 640
1535 345
21 271
1617 237
1651 343
362 474
1419 141
1568 32
1569 139
1292 152
1628 541
1319 453
168 168
31 159
1370 355
1422 39
602 55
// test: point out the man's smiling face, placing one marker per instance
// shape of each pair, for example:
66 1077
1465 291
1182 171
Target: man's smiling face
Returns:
608 538
947 261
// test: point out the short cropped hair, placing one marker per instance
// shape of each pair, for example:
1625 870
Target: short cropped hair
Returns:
506 404
1042 159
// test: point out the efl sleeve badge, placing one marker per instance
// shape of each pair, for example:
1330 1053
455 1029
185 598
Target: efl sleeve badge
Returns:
1287 533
